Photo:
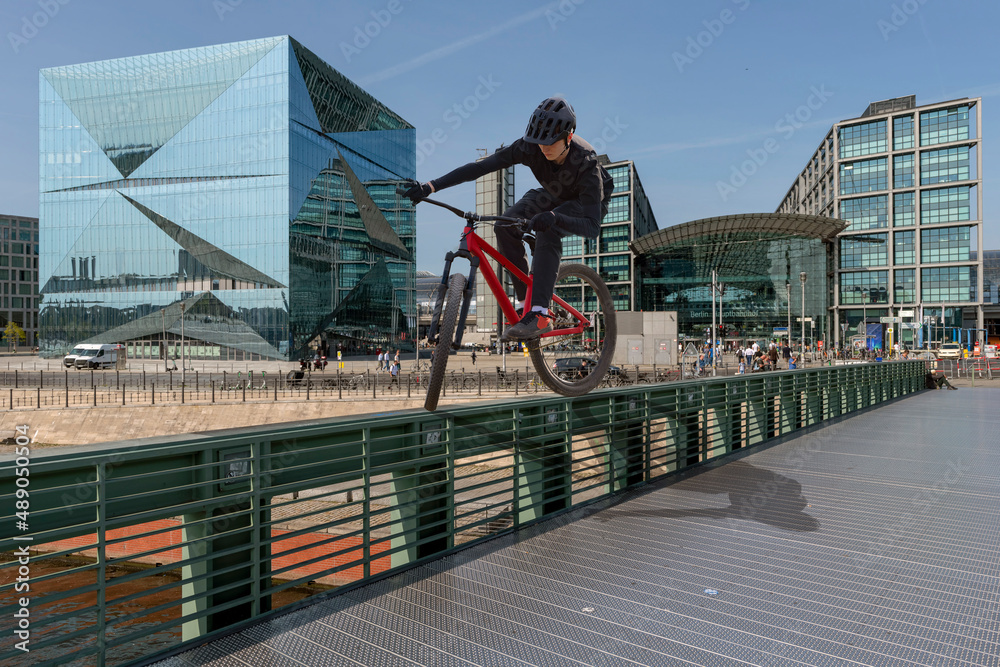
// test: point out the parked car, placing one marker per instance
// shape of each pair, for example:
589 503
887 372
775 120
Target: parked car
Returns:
570 367
950 351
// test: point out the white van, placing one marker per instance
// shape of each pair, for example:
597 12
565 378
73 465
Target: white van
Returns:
69 361
98 356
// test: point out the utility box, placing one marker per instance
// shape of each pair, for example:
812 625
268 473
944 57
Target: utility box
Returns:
646 339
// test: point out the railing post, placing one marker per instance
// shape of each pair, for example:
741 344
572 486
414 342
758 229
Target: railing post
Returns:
626 443
422 498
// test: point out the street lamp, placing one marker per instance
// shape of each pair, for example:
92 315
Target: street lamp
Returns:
182 344
788 299
802 279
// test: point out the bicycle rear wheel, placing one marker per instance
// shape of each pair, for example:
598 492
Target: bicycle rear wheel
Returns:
446 333
573 364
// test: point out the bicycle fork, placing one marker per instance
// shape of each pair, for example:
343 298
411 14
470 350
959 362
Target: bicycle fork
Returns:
470 289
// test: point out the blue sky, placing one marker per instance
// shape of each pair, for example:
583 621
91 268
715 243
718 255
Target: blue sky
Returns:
689 90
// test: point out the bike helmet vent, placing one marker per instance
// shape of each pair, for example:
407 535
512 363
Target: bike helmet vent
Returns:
553 120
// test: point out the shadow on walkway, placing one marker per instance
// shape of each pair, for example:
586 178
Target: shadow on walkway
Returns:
755 494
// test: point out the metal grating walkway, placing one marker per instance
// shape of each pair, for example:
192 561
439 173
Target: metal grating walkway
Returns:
871 541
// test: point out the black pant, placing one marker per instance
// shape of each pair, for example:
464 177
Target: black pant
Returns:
547 250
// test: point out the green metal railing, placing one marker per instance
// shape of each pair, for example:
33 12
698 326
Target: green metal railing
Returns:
131 549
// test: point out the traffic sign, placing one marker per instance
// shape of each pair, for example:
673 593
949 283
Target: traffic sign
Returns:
890 320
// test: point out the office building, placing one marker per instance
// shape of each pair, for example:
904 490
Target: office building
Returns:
494 195
19 275
244 192
908 181
629 217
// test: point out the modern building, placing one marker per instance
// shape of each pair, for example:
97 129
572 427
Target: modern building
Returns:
243 194
908 181
19 275
629 217
770 276
494 195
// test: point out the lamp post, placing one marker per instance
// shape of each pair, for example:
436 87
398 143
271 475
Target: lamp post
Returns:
788 299
182 344
802 279
163 348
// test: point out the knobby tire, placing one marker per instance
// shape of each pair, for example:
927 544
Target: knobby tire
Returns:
446 334
581 386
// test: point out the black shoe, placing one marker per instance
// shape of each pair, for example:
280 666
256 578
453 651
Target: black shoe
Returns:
531 326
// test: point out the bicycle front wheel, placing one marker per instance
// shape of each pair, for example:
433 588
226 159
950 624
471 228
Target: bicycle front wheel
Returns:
446 333
574 364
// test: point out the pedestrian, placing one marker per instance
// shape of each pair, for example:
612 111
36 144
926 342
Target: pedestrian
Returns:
473 357
394 373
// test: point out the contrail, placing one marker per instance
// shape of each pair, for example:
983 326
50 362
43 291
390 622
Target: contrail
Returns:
436 54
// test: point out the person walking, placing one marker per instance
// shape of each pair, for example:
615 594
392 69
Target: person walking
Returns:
473 357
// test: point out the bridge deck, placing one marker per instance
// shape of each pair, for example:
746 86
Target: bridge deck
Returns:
871 541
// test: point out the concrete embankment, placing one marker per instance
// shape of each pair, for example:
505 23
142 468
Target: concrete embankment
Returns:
80 426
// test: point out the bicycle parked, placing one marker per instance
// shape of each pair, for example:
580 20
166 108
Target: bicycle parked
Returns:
582 311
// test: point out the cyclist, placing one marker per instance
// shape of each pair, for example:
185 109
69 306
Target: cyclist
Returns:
574 197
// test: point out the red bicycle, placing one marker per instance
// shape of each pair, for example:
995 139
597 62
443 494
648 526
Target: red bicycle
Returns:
584 325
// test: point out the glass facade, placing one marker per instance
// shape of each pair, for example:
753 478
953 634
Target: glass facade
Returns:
941 126
865 212
19 277
247 189
900 168
945 205
753 265
946 283
863 139
864 176
629 216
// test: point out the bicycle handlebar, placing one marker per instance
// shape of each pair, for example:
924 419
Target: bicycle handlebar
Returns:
469 215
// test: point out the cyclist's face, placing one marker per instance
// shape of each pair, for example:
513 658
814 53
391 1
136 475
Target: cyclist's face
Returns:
555 152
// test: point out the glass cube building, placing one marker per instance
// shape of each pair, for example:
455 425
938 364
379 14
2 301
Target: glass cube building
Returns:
245 191
908 181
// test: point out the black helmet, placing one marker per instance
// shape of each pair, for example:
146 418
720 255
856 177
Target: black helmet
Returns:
551 121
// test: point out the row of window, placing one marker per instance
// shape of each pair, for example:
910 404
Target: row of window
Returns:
936 206
937 284
939 166
948 244
936 127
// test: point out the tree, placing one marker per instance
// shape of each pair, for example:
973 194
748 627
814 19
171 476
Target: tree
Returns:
12 334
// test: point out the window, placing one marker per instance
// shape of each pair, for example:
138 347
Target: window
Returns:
902 171
864 287
944 125
863 176
864 250
862 139
613 239
572 246
620 175
948 244
619 209
905 286
905 248
902 132
865 212
615 267
944 166
945 205
903 209
946 283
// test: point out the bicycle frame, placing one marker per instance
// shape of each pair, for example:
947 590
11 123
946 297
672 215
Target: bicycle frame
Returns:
476 250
